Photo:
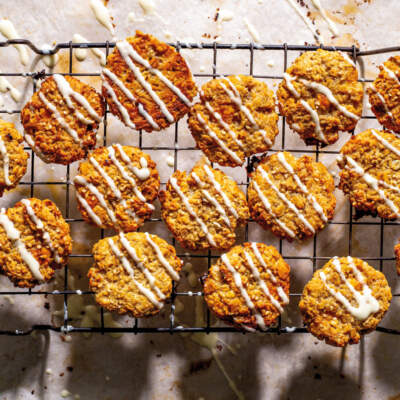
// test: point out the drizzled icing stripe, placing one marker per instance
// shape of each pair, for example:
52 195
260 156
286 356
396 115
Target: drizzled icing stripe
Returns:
234 95
114 78
122 110
281 292
391 73
310 196
93 189
161 258
95 218
132 253
373 183
6 162
387 144
219 190
127 52
142 173
382 100
239 284
367 303
15 236
128 267
212 199
221 144
256 274
72 132
268 207
39 224
309 109
190 210
67 92
285 199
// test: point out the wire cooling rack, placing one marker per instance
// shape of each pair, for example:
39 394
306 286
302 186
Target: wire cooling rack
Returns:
66 327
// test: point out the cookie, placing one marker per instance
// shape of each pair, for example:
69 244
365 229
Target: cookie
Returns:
248 286
133 273
13 158
397 254
202 209
320 96
344 299
234 119
115 187
293 197
147 83
384 94
34 242
61 119
370 172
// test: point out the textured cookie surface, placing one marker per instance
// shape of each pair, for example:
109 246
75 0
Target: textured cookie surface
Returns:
133 272
370 163
62 118
147 83
248 286
202 209
291 196
234 119
34 241
116 186
13 158
320 96
344 299
384 94
397 254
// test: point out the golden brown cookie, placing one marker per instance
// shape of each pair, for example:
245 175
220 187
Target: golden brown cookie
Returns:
397 254
344 299
320 96
234 119
62 118
293 197
248 286
115 187
13 158
34 241
147 83
202 209
384 94
370 163
133 273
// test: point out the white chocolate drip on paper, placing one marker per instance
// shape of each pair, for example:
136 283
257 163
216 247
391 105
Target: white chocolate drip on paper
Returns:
8 30
40 225
102 15
331 25
6 86
50 60
367 304
252 30
81 54
14 235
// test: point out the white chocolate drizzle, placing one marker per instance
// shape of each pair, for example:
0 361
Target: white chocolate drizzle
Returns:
128 267
95 218
6 162
102 15
81 54
385 143
239 284
391 74
282 196
114 78
7 29
252 30
161 258
15 237
190 210
67 93
72 132
383 101
40 225
367 304
331 24
6 86
303 188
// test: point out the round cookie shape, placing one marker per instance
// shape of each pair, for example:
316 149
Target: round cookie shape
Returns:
34 241
115 187
248 287
234 119
61 119
13 157
202 209
147 83
370 173
344 299
293 197
384 94
133 273
320 96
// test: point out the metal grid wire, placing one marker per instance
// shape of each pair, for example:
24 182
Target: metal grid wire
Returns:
316 150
